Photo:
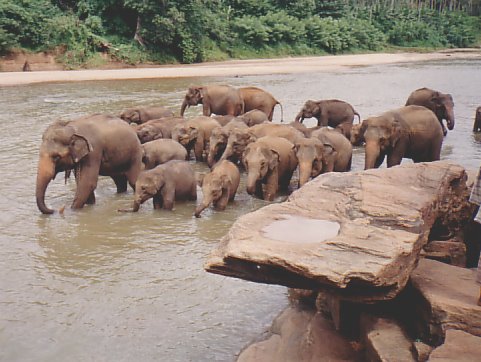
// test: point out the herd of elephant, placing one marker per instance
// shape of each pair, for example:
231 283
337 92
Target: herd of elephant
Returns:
149 147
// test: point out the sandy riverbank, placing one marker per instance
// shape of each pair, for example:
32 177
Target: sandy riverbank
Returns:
235 67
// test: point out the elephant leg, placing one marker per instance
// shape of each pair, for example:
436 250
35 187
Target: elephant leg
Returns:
157 201
91 199
272 186
393 159
221 203
259 191
120 182
86 184
168 199
132 175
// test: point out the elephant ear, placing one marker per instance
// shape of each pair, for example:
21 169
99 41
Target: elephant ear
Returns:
136 116
396 132
273 159
79 147
193 131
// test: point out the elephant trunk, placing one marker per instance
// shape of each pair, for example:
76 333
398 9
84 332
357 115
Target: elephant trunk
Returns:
305 171
212 154
183 107
251 183
450 118
372 154
201 207
227 152
45 173
299 117
136 206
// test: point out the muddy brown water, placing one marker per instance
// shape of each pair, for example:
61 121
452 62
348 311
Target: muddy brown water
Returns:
99 285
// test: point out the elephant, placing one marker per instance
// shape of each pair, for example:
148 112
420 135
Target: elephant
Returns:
337 150
217 99
271 161
195 134
157 128
219 186
440 103
223 120
93 145
477 120
314 158
218 140
256 98
166 183
160 151
276 129
331 112
357 139
143 114
307 131
253 117
407 132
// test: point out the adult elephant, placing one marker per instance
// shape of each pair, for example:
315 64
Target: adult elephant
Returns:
269 161
141 115
440 103
217 99
256 98
92 146
338 150
477 120
409 132
330 112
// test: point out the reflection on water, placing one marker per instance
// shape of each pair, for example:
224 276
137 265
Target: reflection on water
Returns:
96 284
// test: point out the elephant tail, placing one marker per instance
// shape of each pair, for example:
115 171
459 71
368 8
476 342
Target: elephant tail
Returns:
282 111
358 116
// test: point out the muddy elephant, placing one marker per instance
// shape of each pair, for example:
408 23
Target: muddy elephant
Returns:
331 112
269 161
166 183
157 128
408 132
253 117
143 114
93 145
194 134
256 98
314 158
219 138
217 99
219 186
337 150
477 120
160 151
440 103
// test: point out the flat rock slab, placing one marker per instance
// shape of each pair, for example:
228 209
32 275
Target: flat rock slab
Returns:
357 233
459 346
446 298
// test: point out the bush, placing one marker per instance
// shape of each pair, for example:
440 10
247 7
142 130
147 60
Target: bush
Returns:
414 33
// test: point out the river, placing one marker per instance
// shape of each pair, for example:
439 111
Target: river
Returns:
100 285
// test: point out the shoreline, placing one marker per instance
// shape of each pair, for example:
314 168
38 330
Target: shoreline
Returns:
289 65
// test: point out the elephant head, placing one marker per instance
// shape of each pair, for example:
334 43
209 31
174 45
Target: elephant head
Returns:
381 135
260 163
131 116
357 137
444 108
148 132
236 144
212 189
193 97
185 135
314 158
310 109
217 144
62 148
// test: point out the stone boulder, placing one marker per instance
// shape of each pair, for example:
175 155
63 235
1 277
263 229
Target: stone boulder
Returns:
459 346
358 234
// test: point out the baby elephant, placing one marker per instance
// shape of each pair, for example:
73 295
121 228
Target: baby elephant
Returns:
143 114
160 151
173 180
219 186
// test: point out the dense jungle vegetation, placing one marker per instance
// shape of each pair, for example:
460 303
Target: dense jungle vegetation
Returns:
187 31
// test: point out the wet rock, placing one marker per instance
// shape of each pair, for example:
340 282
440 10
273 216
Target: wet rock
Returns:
357 234
385 340
445 297
451 251
301 335
459 346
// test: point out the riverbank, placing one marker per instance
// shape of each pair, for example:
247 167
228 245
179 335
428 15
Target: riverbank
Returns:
235 67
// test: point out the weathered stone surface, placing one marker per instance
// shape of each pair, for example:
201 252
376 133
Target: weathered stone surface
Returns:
385 340
421 351
459 346
446 299
384 217
300 335
451 251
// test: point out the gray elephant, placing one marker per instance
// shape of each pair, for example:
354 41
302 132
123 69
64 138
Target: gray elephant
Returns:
269 161
160 151
166 183
217 99
219 138
143 114
340 159
253 117
440 103
93 145
219 186
408 132
157 128
194 134
256 98
331 112
477 120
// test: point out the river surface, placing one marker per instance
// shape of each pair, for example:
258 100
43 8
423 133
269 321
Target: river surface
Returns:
98 285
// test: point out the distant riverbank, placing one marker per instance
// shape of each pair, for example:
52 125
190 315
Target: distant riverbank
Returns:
235 67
